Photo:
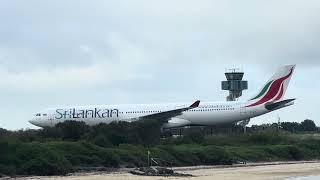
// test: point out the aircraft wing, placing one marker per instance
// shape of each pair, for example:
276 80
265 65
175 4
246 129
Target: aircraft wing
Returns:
166 115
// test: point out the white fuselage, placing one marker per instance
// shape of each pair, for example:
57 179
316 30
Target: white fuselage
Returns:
206 114
269 98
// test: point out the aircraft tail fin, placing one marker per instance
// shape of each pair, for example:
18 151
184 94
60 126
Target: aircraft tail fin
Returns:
275 89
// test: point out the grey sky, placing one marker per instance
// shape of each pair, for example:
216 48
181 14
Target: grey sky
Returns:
107 52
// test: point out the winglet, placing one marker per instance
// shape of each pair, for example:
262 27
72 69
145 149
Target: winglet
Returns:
195 104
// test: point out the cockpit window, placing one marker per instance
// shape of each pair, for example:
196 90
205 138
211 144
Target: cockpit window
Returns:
38 114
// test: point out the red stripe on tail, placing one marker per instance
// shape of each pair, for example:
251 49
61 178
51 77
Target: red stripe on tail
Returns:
273 91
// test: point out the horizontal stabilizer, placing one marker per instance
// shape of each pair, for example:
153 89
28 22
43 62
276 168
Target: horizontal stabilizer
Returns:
273 106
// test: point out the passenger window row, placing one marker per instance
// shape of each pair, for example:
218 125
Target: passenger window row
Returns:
136 112
193 110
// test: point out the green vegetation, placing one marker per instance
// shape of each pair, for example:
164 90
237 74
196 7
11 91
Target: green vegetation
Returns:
72 145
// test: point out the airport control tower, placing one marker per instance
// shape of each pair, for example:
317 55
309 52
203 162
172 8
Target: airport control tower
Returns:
234 84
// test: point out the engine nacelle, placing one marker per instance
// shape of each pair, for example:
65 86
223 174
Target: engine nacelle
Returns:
175 123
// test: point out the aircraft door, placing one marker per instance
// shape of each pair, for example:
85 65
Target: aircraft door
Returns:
51 119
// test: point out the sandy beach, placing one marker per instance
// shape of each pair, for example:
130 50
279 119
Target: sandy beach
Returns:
247 172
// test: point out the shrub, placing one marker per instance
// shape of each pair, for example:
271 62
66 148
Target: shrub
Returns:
46 166
36 159
102 141
212 155
196 137
4 149
73 130
51 132
7 169
110 159
268 137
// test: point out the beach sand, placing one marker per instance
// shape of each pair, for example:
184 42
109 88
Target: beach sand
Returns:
247 172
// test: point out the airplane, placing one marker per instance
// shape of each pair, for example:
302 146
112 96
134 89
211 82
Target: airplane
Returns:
174 115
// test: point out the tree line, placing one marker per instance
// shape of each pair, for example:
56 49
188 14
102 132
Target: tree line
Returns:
71 145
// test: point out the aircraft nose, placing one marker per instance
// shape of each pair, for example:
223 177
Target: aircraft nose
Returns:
35 122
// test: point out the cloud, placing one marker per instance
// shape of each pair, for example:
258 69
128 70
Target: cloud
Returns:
145 51
49 33
102 69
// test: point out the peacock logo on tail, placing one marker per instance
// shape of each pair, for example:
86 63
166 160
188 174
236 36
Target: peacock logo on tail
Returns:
274 89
